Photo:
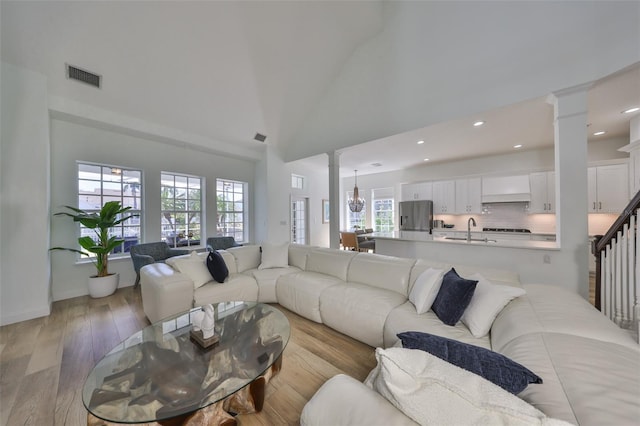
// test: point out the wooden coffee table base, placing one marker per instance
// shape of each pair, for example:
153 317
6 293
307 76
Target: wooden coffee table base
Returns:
247 400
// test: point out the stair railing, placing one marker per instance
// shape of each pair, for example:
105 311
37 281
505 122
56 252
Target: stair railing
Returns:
617 292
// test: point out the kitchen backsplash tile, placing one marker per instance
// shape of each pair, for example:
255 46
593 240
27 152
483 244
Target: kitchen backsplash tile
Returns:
515 215
505 215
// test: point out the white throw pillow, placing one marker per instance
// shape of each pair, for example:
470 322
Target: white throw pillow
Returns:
194 267
432 391
426 289
274 256
487 302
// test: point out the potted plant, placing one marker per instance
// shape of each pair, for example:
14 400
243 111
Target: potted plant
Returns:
111 214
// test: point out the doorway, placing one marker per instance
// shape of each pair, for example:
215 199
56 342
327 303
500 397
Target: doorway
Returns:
299 220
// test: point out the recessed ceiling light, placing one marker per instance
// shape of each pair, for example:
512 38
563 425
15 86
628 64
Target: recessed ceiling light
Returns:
517 146
478 123
426 159
630 110
420 142
602 132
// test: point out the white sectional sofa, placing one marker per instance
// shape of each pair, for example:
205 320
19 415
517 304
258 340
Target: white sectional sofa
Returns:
590 368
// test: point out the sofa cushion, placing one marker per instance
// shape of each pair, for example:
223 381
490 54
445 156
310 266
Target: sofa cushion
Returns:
194 267
405 318
487 302
422 265
586 381
237 287
274 256
426 289
497 368
217 266
246 257
358 310
267 279
356 404
453 298
385 272
330 262
298 255
432 391
300 292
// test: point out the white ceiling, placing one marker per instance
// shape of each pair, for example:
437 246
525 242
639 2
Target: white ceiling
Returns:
529 124
226 70
222 70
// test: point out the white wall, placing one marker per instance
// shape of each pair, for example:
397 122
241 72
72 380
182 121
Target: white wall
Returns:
71 142
316 189
24 220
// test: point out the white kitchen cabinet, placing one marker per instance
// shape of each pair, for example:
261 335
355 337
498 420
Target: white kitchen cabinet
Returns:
416 191
444 197
608 188
543 192
468 196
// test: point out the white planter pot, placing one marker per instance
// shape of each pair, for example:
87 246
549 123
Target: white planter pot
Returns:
103 286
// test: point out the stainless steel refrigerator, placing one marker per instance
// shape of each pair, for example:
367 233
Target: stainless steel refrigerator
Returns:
416 215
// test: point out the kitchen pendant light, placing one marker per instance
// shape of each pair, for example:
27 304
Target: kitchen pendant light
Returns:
356 203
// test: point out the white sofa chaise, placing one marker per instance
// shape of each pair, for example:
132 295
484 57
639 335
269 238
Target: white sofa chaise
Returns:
590 368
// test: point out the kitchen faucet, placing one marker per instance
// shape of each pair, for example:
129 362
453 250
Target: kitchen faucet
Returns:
469 222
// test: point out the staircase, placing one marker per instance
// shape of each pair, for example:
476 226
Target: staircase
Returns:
618 269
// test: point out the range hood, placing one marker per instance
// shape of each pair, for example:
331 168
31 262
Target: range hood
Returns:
506 189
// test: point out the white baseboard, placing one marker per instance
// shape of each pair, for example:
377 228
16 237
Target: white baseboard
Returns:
70 294
24 316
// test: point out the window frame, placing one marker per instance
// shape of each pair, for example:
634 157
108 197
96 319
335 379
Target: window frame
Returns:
187 234
137 200
222 212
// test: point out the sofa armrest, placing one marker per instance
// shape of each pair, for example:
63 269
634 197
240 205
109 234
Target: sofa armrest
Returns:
165 291
343 400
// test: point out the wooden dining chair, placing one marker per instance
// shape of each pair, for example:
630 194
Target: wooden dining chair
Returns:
349 241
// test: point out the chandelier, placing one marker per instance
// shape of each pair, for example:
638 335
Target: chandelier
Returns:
356 203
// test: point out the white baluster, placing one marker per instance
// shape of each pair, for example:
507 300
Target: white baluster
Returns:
606 281
636 296
618 281
633 264
624 278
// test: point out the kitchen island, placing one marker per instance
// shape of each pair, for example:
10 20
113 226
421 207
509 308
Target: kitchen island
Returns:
534 260
493 239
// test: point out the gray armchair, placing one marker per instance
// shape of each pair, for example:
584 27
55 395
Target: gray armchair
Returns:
221 243
146 254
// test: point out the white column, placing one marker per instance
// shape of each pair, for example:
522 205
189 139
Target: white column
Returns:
334 199
570 125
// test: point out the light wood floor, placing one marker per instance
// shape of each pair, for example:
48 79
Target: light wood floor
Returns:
44 362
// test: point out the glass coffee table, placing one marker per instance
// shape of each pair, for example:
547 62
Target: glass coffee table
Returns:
160 375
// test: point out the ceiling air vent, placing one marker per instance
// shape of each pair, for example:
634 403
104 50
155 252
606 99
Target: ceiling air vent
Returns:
75 73
260 137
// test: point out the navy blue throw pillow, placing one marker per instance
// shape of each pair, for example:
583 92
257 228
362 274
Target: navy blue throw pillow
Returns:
216 266
453 298
495 367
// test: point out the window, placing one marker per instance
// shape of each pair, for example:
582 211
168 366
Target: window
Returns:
182 203
98 184
299 220
231 209
355 220
297 181
383 210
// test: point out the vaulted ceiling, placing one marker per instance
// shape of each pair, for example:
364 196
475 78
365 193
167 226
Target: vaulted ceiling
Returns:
321 75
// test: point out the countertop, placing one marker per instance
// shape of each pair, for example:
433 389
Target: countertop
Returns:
493 239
